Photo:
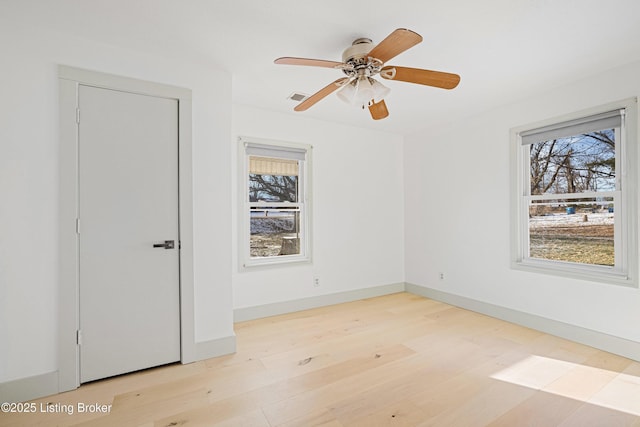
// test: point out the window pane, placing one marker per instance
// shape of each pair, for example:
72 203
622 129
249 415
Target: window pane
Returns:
274 231
576 164
273 179
578 230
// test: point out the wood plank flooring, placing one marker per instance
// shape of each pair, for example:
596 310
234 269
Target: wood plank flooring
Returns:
396 360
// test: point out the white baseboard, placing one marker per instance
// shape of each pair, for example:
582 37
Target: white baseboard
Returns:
38 386
599 340
29 388
260 311
215 348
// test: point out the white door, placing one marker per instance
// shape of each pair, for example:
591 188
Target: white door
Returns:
128 206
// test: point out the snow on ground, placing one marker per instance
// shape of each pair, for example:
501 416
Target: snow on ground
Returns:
269 225
567 220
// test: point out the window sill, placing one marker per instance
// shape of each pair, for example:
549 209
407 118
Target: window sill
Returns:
575 271
274 262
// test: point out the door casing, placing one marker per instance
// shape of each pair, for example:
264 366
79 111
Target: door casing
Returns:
68 299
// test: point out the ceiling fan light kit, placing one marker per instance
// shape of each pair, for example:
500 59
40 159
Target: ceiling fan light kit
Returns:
361 61
363 91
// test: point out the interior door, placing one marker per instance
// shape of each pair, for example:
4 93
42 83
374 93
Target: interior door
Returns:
128 209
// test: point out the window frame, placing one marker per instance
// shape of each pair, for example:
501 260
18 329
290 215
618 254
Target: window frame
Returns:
304 201
625 270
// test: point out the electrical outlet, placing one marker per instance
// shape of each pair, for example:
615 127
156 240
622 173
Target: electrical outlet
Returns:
316 282
441 276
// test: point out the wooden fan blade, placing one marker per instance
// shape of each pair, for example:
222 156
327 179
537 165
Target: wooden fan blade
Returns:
378 110
395 43
327 90
287 60
424 77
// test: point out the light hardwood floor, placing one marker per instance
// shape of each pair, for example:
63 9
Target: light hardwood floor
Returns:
396 360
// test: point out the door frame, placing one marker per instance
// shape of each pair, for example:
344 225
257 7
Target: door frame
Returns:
69 79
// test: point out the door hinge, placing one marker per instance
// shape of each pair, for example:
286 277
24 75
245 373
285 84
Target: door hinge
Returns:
77 225
79 337
77 115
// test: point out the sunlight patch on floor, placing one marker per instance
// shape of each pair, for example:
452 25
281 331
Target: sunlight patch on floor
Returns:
596 386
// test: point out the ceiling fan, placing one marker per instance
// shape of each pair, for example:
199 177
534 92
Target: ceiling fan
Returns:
361 62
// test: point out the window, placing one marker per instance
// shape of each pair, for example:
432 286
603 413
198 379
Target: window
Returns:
575 202
276 208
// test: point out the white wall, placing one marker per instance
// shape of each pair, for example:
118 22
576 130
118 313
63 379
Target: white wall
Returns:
357 191
457 213
29 187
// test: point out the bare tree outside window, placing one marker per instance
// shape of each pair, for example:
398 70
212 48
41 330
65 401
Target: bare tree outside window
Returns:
273 188
575 164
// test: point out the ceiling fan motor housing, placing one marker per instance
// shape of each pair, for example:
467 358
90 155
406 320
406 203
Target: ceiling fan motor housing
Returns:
356 59
358 50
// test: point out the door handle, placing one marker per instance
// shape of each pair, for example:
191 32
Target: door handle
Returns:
168 244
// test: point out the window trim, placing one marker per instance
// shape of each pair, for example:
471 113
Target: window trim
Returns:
627 272
244 246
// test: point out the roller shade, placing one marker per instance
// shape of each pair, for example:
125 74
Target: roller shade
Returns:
608 120
273 166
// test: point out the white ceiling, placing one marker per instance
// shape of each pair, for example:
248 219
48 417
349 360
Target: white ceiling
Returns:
504 50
